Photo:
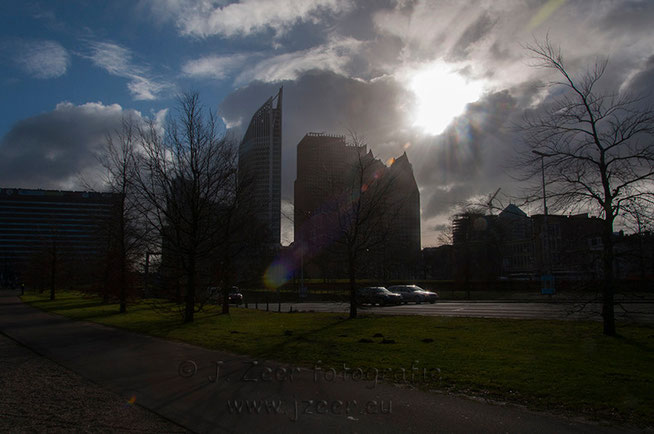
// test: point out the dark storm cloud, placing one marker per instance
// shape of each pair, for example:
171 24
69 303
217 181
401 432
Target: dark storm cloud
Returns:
52 150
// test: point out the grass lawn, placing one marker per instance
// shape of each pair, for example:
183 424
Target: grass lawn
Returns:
556 365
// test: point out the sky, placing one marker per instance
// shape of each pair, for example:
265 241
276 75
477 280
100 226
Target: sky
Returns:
444 81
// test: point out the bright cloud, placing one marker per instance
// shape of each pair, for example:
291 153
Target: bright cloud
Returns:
333 56
117 60
217 67
441 94
43 59
206 18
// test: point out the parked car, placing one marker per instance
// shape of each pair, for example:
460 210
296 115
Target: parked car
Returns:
414 293
377 295
234 296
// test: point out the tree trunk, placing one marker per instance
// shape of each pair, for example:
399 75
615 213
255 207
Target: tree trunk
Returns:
190 293
227 281
123 258
466 271
608 289
225 290
53 274
353 295
178 291
123 284
105 283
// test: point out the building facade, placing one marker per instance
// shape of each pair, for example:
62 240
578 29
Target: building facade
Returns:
402 252
571 246
516 246
34 223
260 168
517 242
323 161
327 166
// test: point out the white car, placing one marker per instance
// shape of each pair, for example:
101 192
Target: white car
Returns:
414 293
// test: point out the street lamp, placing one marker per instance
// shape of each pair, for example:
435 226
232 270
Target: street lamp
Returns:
542 156
545 236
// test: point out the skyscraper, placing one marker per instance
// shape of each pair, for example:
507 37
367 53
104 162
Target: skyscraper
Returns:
326 165
260 167
322 160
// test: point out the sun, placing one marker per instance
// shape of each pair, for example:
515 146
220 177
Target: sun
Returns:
441 94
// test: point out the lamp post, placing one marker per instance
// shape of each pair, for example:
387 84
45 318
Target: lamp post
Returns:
542 156
545 235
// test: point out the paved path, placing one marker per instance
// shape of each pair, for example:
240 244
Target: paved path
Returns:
178 381
642 312
38 395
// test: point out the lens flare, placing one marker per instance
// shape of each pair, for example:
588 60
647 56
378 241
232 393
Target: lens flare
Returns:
277 274
544 13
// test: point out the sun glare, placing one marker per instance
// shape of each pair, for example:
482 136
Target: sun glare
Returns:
441 95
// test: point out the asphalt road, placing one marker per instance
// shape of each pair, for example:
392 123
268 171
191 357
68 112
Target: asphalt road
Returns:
182 383
640 312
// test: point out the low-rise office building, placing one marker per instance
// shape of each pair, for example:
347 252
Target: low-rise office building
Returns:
36 223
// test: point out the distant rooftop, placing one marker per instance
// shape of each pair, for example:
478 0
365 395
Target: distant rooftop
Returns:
7 192
335 136
512 209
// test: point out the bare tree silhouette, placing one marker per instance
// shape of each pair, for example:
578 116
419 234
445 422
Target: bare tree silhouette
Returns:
364 216
185 179
124 230
596 152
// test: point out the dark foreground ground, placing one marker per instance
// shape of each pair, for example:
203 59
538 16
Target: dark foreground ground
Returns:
177 381
39 395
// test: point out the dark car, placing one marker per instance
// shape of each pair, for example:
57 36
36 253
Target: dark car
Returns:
234 296
377 295
414 293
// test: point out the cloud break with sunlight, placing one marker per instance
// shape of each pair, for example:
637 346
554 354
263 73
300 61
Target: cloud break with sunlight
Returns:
441 94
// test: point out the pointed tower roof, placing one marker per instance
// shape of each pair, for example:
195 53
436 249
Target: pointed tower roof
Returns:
512 210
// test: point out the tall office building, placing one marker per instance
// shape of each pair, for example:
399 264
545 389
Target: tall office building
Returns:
326 165
260 167
404 241
322 160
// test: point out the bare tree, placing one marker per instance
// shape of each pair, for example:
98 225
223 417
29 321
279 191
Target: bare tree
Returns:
185 179
237 229
363 215
123 231
446 235
594 149
51 264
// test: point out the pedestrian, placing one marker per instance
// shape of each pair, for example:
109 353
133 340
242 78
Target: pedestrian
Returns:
22 289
